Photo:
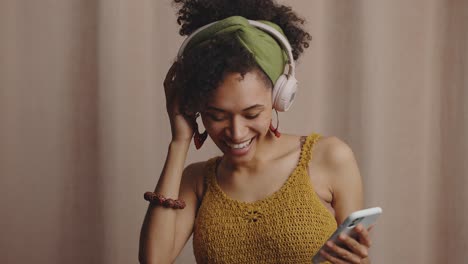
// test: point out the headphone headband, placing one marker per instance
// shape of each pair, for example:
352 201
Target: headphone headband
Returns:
267 28
280 38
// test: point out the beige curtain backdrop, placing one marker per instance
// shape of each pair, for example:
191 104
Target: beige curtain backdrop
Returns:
84 132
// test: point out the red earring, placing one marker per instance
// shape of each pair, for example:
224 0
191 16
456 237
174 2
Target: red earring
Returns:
275 130
198 139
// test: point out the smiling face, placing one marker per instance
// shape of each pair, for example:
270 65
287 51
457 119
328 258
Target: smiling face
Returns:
238 115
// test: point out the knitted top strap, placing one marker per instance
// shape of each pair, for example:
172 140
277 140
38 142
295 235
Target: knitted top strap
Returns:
306 152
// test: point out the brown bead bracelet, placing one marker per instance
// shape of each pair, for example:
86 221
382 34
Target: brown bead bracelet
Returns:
158 199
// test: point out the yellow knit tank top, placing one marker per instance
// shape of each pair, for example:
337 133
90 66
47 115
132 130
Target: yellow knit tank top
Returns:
288 226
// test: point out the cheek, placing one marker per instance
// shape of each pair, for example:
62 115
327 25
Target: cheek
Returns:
213 128
263 124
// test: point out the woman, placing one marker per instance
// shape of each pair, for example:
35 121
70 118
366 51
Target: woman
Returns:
270 198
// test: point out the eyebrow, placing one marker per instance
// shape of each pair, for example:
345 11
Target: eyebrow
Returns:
243 110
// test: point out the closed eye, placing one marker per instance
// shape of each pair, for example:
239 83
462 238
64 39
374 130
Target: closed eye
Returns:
216 118
252 116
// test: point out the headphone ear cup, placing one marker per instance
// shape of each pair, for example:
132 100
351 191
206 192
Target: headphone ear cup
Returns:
284 93
277 90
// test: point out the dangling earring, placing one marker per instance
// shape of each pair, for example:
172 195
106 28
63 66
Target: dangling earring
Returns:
275 130
198 139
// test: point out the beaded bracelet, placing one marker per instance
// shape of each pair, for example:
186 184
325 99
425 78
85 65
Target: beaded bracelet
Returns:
158 199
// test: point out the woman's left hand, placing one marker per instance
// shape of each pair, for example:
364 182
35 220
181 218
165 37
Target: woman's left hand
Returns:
355 250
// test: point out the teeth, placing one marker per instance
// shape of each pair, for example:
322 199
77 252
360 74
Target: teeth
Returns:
241 145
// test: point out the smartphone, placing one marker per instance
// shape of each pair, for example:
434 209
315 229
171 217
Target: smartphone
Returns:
366 217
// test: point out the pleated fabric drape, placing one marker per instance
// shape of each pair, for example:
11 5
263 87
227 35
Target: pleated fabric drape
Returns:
84 132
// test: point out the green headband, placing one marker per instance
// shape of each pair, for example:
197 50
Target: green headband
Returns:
265 49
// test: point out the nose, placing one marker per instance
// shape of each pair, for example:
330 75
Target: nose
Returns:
237 130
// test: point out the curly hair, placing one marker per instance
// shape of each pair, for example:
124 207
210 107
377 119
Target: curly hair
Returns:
202 69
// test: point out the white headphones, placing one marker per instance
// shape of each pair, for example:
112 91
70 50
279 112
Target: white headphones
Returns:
285 87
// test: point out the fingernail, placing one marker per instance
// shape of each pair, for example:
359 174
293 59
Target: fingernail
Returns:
342 236
330 244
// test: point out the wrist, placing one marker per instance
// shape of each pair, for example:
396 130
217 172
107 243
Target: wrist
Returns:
181 138
179 144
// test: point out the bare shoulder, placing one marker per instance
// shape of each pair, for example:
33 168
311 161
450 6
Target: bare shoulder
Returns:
333 152
337 159
194 173
194 169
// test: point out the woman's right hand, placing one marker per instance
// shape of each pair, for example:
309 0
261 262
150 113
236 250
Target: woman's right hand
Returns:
181 126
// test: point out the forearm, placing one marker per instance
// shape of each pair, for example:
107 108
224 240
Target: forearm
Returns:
158 230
